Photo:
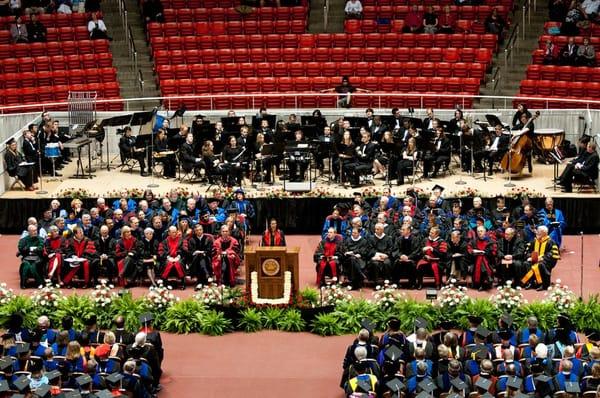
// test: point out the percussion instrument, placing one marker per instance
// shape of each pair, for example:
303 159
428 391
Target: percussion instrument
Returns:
52 150
163 154
548 139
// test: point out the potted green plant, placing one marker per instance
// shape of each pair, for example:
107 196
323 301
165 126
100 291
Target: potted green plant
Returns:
310 305
326 324
214 323
250 320
291 321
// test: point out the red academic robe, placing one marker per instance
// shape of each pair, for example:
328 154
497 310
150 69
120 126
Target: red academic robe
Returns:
81 248
439 250
277 238
122 249
54 246
175 248
483 262
232 252
327 249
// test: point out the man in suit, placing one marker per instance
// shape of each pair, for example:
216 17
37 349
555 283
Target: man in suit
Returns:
498 147
568 54
584 166
365 154
122 336
129 150
439 155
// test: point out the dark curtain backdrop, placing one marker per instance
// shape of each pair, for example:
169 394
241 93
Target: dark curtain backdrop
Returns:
304 215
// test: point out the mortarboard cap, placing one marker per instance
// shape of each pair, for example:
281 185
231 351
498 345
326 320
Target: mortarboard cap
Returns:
356 193
364 386
146 317
438 187
423 394
53 375
519 394
486 395
393 322
421 323
543 378
23 348
104 394
572 387
458 384
4 386
393 353
114 378
42 391
482 332
427 386
505 334
514 382
592 335
480 352
507 319
10 141
240 190
83 380
22 383
454 395
395 384
564 321
483 383
5 363
73 394
91 321
475 319
446 325
367 324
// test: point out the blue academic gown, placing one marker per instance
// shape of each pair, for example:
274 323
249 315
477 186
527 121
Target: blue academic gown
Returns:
526 332
131 205
554 232
561 378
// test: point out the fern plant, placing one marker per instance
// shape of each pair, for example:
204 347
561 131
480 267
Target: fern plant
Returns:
184 317
309 297
214 323
407 311
478 307
326 325
545 313
250 320
270 317
80 308
352 313
586 315
130 309
291 321
24 306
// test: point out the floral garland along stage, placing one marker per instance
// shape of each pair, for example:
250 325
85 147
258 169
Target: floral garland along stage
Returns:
321 192
287 290
337 313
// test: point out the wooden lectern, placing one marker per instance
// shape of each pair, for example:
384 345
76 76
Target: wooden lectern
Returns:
270 264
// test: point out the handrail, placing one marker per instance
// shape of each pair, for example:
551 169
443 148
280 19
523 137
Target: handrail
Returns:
259 99
495 80
325 15
526 12
511 43
141 81
133 50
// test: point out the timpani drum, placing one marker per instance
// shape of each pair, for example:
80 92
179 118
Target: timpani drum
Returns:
52 150
548 139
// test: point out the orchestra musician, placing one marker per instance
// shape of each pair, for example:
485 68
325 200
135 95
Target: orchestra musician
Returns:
129 151
17 166
262 165
325 148
219 137
164 155
232 154
584 165
494 152
522 127
439 155
406 163
345 154
31 149
298 162
364 157
189 162
385 161
266 130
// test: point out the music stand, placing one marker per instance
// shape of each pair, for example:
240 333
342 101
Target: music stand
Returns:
292 147
257 120
230 124
146 119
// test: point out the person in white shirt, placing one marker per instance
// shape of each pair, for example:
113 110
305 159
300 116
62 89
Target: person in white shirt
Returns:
353 9
97 28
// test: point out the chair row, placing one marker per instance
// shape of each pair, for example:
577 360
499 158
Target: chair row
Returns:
379 100
560 88
17 96
59 77
562 41
225 28
506 3
213 3
51 20
70 47
553 102
217 14
397 26
59 34
460 12
566 73
322 54
289 84
55 63
592 30
538 57
326 69
327 40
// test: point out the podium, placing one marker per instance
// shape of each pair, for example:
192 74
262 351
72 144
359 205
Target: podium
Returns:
270 265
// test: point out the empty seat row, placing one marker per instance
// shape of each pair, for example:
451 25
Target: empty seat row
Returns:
54 48
561 41
322 54
559 88
566 73
225 28
553 102
460 12
397 25
327 40
538 57
327 69
58 77
33 95
260 14
51 20
506 3
287 84
55 62
309 100
212 3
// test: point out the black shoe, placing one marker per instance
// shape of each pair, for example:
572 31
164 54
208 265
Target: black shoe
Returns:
144 174
419 286
542 288
57 175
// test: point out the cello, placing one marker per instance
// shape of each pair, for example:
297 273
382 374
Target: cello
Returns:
514 160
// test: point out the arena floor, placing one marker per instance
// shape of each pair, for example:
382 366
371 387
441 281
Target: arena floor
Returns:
277 364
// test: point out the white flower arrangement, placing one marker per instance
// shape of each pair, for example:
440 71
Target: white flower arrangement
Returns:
287 290
387 295
334 293
102 295
6 294
451 295
160 297
47 296
209 294
561 296
507 298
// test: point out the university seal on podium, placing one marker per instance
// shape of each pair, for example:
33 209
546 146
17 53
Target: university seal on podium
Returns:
270 267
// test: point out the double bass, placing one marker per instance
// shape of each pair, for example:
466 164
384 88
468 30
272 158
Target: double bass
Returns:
514 160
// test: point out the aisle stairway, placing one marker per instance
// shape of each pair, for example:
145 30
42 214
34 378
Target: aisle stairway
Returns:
510 78
126 73
336 16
